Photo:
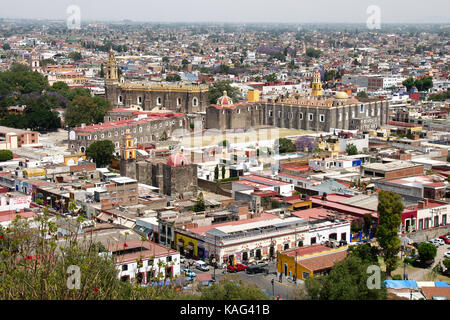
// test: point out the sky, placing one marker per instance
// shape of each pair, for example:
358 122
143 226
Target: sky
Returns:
238 11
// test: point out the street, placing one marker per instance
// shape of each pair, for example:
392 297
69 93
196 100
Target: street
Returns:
261 280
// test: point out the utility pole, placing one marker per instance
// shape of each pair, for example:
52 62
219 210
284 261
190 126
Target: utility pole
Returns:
273 288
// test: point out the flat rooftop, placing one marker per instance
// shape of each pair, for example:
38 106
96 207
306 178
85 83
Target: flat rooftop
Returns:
392 166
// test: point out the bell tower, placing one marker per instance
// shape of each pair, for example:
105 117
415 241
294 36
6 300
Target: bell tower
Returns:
316 85
112 74
128 157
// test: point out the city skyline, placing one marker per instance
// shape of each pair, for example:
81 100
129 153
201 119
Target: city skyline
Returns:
251 11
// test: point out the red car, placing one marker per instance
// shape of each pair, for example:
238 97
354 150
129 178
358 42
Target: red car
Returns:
237 267
446 239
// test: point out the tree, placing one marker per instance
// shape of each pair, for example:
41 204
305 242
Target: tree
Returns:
447 265
228 290
304 143
271 77
217 88
351 149
5 155
362 94
86 110
101 152
216 172
390 209
200 203
347 280
408 83
313 53
102 72
427 251
6 47
223 172
75 56
224 143
173 78
284 145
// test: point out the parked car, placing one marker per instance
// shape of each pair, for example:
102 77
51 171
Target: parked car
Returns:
446 239
436 244
255 269
447 254
237 267
259 263
439 241
201 265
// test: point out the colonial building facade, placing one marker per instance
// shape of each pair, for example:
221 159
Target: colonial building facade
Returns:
312 113
145 96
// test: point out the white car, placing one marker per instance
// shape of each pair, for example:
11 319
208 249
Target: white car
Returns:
439 241
435 243
447 254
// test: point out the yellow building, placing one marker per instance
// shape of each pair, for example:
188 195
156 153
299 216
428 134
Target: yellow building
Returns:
73 159
299 204
186 245
316 85
253 95
309 261
33 172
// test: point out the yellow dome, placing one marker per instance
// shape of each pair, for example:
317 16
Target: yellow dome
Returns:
341 95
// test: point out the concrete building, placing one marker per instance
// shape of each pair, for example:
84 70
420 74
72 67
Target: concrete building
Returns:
392 170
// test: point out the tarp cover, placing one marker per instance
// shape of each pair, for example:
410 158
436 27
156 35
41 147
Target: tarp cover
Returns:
397 284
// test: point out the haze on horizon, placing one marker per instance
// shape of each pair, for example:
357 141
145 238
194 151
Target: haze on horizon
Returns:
243 11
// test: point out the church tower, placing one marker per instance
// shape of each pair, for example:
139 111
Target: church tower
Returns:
128 157
34 61
112 73
316 85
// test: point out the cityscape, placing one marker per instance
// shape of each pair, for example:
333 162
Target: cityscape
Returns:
218 153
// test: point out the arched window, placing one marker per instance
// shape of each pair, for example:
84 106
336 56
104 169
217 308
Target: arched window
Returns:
195 102
159 101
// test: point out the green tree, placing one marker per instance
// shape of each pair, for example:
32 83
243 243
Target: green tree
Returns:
271 77
75 56
101 152
223 172
427 251
228 290
5 155
362 94
173 78
217 88
446 263
313 53
224 143
216 172
284 145
390 209
408 83
351 149
102 71
347 280
6 47
200 203
86 110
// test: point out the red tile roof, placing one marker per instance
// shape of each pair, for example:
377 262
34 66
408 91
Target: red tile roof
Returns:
430 292
323 262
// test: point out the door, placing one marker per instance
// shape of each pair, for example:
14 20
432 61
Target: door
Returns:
285 270
245 256
271 251
258 254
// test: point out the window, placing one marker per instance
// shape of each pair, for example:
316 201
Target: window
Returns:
353 113
140 129
270 113
373 112
178 101
346 115
279 114
322 118
238 111
436 221
120 99
310 116
340 116
421 224
158 101
305 275
313 240
125 267
361 108
301 115
194 102
109 134
139 100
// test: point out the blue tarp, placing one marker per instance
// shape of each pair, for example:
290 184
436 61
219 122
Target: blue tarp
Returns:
400 284
441 284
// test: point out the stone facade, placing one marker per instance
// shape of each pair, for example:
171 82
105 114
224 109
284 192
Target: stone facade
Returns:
151 129
150 96
316 114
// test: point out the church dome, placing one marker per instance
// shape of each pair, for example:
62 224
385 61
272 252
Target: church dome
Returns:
177 160
224 100
341 95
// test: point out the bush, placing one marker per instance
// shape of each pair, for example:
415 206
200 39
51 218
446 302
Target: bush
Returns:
427 251
409 260
397 277
5 155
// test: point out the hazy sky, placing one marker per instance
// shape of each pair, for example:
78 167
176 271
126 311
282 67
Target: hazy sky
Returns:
292 11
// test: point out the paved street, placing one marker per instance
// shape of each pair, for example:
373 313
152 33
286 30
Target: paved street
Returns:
261 280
